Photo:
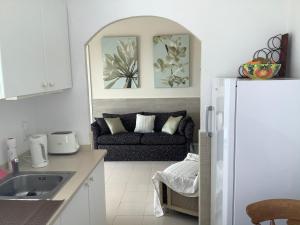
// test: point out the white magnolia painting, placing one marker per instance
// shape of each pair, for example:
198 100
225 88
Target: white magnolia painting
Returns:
171 61
120 68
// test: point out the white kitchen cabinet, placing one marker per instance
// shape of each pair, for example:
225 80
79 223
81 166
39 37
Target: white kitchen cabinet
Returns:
34 47
88 204
77 211
58 222
21 46
97 196
56 45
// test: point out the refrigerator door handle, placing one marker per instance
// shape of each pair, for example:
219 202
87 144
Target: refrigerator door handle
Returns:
208 120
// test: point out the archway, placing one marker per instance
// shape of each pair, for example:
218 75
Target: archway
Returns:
146 97
143 28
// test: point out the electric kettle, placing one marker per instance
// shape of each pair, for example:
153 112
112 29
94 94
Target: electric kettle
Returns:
38 150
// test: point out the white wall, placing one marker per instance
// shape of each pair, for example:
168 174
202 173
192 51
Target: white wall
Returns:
294 29
144 28
12 116
229 30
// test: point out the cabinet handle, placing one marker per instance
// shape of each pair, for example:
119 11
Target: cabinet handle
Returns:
209 110
92 179
87 184
44 84
51 84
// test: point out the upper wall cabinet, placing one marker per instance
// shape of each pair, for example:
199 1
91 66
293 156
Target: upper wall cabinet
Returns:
34 47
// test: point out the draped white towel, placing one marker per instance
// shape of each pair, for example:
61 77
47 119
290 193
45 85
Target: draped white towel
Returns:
181 177
144 124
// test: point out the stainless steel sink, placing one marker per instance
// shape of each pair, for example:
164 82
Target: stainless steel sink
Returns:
33 185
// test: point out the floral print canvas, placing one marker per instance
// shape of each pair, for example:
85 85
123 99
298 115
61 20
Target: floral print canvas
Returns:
171 61
120 69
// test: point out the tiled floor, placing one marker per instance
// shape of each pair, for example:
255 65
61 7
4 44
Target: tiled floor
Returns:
129 195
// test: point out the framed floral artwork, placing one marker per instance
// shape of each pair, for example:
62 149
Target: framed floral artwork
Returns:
120 62
171 61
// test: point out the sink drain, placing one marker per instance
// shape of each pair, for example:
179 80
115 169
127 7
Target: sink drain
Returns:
31 194
26 194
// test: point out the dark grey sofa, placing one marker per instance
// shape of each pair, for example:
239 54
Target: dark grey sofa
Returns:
155 146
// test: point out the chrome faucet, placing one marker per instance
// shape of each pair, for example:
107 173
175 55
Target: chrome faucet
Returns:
15 165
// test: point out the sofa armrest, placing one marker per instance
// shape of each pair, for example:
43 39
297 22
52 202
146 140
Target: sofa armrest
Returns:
189 130
96 130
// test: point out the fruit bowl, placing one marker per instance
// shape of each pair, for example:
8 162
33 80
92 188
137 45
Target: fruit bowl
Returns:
260 71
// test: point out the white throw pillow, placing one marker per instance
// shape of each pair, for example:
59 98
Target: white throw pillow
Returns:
144 124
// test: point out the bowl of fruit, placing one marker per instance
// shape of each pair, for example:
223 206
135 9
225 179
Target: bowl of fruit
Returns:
260 69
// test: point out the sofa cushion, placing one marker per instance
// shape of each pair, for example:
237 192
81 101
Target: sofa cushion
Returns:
104 129
129 138
144 124
182 124
161 118
128 120
160 138
115 125
171 126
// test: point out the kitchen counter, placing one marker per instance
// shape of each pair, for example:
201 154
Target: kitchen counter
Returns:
28 212
83 163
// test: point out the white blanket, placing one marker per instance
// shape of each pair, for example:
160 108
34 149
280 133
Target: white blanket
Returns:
181 177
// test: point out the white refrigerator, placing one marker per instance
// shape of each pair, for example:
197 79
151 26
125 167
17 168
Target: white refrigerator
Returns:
255 131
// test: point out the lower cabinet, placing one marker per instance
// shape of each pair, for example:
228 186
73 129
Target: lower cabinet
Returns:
88 204
97 196
77 212
57 222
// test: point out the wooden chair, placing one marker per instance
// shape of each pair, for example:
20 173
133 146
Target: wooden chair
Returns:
271 210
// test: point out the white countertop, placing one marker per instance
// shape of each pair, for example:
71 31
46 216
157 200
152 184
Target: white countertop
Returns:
82 163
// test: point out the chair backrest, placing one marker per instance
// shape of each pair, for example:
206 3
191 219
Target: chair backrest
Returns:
272 210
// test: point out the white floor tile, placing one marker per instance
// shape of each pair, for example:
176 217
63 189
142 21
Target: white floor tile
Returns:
123 166
150 197
174 218
152 220
151 187
139 180
112 205
160 166
130 193
110 218
107 172
117 180
149 209
128 220
106 179
114 196
130 209
111 187
137 187
109 165
135 196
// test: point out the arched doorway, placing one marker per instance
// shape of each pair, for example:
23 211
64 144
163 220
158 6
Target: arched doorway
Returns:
144 98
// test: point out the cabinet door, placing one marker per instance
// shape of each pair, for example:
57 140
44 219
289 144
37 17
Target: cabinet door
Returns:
77 211
21 46
97 196
56 45
57 222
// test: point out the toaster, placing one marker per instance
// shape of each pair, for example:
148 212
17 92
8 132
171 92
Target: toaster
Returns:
62 142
